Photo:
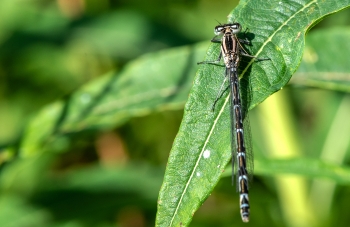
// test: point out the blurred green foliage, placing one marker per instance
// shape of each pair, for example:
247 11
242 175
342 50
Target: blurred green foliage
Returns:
106 170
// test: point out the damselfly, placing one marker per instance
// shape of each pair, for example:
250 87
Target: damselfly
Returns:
231 51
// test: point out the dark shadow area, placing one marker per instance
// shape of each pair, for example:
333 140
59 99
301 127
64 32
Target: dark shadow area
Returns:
93 207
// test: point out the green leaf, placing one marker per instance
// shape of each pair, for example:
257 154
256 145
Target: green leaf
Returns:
325 62
311 168
306 167
201 149
102 191
154 82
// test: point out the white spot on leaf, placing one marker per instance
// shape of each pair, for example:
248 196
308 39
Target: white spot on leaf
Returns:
206 154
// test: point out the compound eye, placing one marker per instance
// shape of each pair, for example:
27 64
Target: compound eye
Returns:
218 30
236 28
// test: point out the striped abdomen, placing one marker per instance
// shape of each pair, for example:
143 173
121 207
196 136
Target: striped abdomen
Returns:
238 148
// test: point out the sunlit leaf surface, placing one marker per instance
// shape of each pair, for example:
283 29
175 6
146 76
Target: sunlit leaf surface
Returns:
202 147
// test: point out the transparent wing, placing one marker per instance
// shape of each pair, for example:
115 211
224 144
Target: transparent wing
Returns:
245 93
248 147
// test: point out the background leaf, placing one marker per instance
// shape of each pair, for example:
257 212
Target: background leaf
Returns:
301 166
110 100
325 65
